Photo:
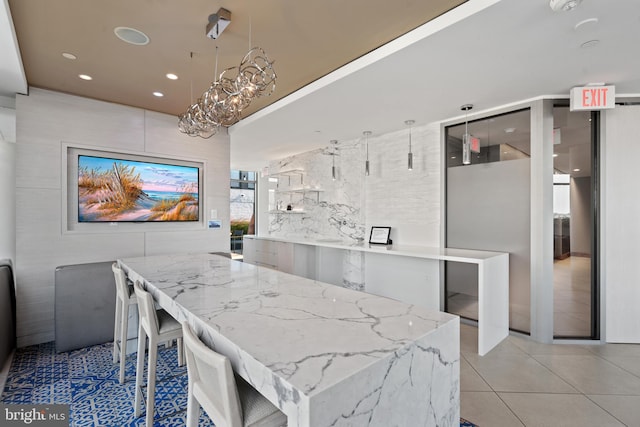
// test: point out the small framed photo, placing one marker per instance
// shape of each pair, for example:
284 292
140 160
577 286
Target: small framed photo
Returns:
380 235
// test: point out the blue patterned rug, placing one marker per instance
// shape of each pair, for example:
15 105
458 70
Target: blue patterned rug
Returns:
87 380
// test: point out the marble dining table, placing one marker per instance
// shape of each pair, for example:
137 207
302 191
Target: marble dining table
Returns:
323 354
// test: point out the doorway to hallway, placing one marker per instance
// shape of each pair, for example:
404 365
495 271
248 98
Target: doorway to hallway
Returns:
575 224
242 209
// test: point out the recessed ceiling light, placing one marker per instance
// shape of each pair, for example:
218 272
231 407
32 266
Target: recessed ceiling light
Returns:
158 94
69 55
576 170
510 130
555 155
131 36
172 76
453 157
85 77
590 44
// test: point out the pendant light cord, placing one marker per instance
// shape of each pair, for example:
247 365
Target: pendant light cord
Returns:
409 138
191 84
215 75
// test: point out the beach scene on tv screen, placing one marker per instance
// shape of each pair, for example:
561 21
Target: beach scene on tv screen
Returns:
113 190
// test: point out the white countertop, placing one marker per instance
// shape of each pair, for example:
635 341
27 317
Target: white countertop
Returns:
443 254
294 338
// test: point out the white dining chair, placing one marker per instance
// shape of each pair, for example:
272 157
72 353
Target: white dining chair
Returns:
226 398
125 298
159 327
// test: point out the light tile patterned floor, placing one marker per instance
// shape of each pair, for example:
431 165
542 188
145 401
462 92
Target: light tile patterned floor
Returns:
87 379
524 383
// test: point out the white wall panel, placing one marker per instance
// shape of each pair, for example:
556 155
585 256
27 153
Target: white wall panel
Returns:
34 168
620 232
171 242
8 197
46 123
408 201
44 116
581 223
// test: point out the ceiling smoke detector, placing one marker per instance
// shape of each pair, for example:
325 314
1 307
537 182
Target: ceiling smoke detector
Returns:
563 5
217 23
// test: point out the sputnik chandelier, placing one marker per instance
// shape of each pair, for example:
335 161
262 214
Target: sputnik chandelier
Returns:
222 103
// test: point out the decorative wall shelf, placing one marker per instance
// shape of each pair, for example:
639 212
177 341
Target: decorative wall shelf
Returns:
289 192
300 190
280 212
288 174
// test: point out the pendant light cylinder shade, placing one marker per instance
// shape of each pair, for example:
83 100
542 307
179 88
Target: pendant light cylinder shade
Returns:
367 169
334 144
466 150
410 156
466 143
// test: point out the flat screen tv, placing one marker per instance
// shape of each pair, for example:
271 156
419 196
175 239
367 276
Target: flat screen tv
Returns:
118 190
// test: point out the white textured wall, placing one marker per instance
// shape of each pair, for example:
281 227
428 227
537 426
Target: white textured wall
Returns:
7 183
581 216
408 201
47 120
620 228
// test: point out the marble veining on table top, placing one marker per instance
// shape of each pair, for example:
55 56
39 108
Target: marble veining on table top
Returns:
309 335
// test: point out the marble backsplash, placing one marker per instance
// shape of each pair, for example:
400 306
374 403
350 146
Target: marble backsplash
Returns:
345 208
331 209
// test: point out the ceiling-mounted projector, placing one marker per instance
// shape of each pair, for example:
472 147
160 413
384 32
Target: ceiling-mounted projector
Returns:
558 5
217 23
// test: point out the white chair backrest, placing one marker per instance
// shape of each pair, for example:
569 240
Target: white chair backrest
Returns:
211 374
121 282
147 309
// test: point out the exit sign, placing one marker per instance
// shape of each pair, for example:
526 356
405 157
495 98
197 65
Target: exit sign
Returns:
593 98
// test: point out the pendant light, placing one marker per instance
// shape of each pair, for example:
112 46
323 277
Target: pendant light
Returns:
410 156
334 143
466 144
366 134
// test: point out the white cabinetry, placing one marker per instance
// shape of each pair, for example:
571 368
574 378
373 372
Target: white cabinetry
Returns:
281 256
261 252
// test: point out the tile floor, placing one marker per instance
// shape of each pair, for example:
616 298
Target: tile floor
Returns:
572 297
571 300
519 383
523 383
87 380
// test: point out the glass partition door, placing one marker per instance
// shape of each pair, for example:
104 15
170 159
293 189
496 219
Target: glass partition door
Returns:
488 204
575 184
